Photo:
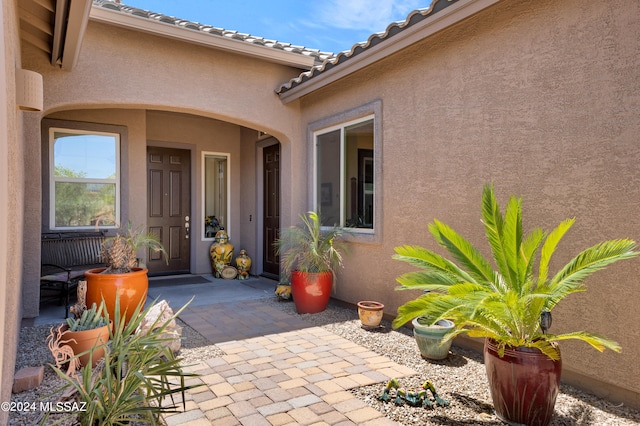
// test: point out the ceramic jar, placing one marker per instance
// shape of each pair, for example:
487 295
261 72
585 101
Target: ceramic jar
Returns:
430 337
370 313
221 252
243 265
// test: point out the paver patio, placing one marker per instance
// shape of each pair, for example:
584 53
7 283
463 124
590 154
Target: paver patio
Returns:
278 370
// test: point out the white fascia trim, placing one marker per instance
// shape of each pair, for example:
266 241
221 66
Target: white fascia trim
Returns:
60 18
76 25
430 26
138 23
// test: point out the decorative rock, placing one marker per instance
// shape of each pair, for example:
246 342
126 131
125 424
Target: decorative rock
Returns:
161 312
27 378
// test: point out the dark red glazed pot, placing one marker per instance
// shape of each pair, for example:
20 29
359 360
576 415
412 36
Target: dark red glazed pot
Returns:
311 291
524 384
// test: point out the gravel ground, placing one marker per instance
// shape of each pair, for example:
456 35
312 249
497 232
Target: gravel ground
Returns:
460 378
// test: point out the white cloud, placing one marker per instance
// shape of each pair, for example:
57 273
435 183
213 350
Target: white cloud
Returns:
370 15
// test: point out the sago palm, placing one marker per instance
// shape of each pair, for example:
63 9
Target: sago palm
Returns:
307 247
506 303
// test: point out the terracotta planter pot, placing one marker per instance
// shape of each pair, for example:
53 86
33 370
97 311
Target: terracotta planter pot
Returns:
524 384
81 341
429 338
131 289
370 313
311 291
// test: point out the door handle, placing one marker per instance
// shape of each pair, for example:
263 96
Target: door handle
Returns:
186 227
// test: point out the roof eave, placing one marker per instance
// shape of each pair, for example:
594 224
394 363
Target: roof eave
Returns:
70 23
430 26
166 30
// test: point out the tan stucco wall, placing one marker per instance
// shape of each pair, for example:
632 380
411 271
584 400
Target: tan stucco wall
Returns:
11 200
169 93
119 67
540 98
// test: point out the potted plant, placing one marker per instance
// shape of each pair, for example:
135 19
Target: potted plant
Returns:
509 305
138 379
122 277
310 255
85 333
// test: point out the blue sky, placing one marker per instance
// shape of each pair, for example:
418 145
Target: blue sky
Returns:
327 25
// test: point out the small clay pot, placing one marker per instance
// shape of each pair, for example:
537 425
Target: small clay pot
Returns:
370 313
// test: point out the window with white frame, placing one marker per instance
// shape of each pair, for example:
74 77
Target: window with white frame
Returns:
84 176
215 196
345 174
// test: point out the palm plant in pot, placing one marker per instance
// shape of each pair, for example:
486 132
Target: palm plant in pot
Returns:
123 277
310 255
510 306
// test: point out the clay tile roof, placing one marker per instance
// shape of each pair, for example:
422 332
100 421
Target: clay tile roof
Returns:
318 56
395 28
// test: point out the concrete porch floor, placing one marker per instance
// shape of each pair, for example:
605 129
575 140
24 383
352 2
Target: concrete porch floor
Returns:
277 368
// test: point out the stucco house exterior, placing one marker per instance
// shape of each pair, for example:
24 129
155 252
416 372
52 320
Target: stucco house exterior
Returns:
542 98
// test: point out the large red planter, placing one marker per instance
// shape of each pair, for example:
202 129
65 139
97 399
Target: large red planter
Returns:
311 291
524 384
131 288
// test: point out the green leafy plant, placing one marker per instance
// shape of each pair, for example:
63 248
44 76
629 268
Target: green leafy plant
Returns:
136 381
90 318
119 252
507 303
307 247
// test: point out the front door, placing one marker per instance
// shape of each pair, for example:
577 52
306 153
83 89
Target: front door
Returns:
168 211
271 212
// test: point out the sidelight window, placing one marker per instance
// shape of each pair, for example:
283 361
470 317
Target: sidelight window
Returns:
215 193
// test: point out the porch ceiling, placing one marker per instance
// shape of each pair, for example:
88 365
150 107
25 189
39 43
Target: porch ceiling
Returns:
56 27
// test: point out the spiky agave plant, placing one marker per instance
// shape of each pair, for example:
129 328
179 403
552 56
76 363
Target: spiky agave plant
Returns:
119 252
505 304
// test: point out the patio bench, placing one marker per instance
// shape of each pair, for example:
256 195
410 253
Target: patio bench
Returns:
65 256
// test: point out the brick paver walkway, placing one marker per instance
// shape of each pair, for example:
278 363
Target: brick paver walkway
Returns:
279 370
222 322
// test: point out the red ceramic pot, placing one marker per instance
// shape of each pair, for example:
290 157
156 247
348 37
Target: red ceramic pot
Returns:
524 384
131 288
311 291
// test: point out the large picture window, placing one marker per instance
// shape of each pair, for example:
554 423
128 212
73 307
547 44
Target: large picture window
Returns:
84 176
345 180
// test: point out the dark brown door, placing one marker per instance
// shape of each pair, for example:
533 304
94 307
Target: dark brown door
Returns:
168 211
271 179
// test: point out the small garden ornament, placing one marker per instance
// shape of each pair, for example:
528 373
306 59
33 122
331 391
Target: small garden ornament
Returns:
221 252
414 399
